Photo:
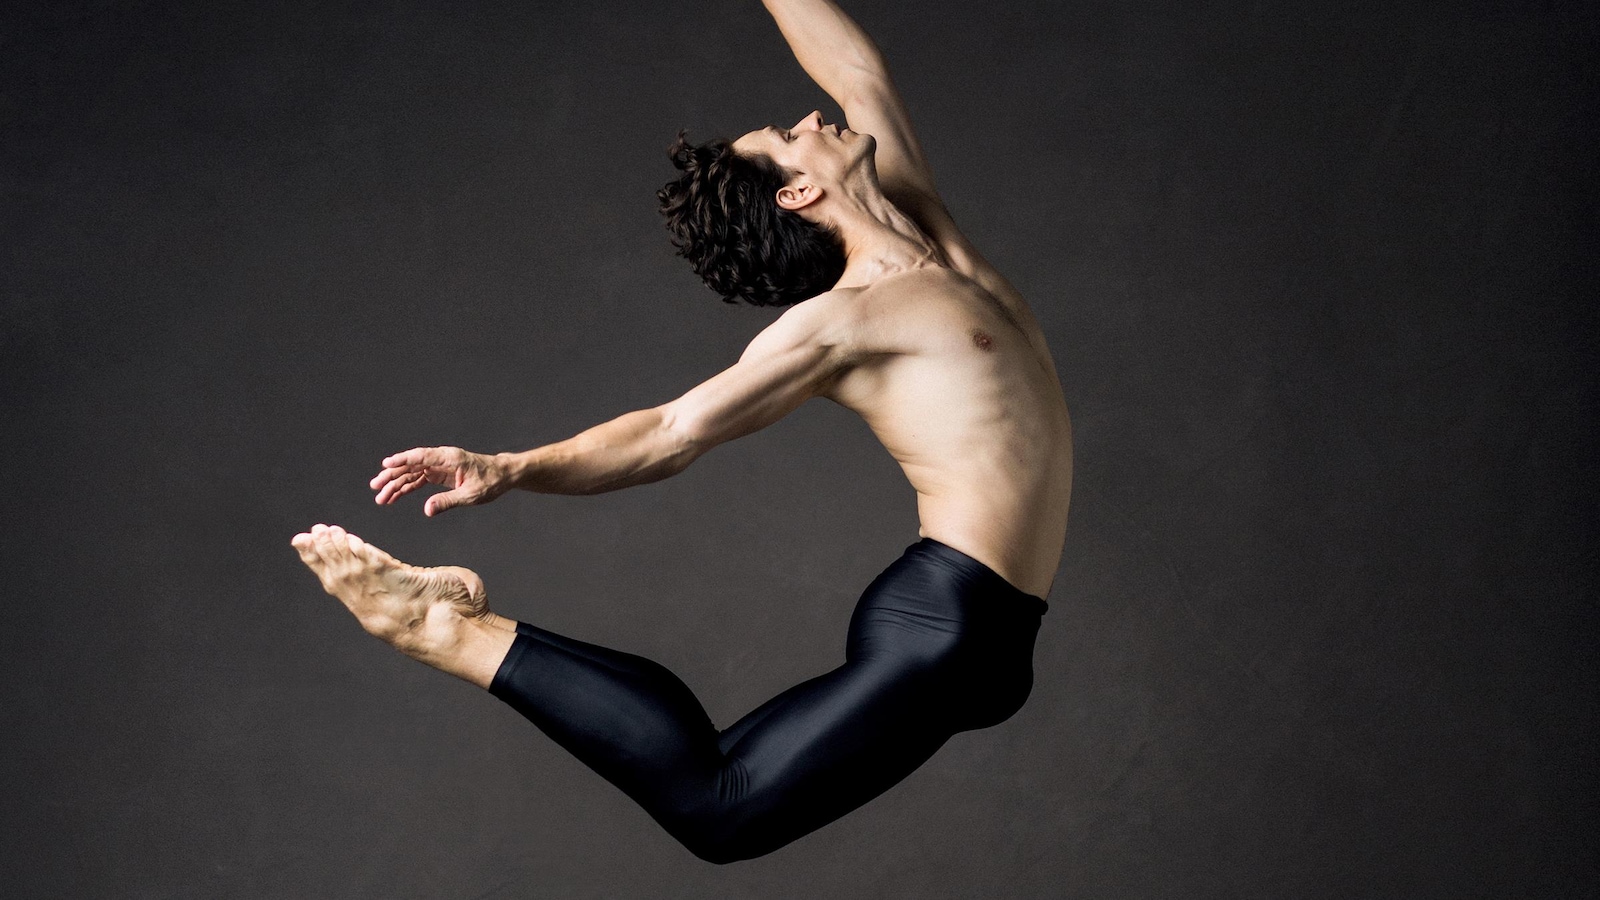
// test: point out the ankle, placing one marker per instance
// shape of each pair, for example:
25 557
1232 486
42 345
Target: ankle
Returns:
437 634
468 647
494 620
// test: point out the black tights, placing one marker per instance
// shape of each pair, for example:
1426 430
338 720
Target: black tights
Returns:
938 644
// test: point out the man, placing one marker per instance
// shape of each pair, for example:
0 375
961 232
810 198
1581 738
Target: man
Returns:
894 315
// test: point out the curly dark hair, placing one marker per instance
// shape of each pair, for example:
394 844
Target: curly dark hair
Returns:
725 220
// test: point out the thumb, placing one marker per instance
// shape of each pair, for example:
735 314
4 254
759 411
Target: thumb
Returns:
438 503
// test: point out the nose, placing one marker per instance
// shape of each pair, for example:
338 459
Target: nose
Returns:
812 122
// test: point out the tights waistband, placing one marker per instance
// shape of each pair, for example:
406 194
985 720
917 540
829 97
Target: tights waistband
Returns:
978 572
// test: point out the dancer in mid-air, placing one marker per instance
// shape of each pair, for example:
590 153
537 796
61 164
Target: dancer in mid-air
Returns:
892 314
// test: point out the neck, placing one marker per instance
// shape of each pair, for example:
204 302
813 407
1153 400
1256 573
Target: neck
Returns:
879 239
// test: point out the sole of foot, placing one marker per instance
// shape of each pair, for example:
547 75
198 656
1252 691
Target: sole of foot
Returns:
415 608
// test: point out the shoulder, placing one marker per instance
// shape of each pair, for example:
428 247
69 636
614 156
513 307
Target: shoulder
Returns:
829 322
830 316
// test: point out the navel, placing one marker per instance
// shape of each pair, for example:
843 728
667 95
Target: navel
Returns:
981 339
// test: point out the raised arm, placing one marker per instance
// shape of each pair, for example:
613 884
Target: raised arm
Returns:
843 60
789 362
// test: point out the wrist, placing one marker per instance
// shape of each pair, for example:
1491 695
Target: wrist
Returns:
510 469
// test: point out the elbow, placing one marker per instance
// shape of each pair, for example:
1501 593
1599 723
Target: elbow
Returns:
682 438
863 65
867 83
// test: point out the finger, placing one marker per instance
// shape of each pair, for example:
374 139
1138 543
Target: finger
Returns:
416 456
438 503
410 485
395 466
399 487
388 475
384 477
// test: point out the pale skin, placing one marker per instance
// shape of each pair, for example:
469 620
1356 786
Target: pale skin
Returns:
921 337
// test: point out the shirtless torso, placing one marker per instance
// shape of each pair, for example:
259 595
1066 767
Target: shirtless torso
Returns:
956 382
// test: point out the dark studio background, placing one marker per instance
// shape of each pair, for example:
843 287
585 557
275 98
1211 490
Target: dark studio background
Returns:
1319 279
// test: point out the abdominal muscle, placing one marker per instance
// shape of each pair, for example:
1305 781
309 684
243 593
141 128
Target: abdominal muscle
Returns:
1012 518
955 390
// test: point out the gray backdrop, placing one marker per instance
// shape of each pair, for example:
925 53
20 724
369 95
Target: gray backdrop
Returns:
1319 280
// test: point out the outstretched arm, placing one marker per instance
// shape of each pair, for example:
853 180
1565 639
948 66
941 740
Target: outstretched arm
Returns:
843 60
789 362
785 365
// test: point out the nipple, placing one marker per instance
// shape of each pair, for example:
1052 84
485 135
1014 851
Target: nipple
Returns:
982 339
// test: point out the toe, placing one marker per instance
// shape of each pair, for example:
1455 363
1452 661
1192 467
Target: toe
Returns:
322 546
307 550
347 545
310 551
372 556
336 544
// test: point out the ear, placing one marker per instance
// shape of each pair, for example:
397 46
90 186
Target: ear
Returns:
798 195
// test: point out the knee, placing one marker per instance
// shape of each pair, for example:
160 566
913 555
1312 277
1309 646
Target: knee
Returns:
719 852
716 826
714 840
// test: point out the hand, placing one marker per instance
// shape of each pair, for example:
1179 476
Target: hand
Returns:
474 478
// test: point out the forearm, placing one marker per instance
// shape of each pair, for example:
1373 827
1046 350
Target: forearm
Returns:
838 55
636 448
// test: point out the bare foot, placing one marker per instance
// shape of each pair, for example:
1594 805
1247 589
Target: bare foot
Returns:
430 614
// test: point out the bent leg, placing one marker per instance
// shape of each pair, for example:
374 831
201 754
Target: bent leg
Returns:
937 644
803 759
630 719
